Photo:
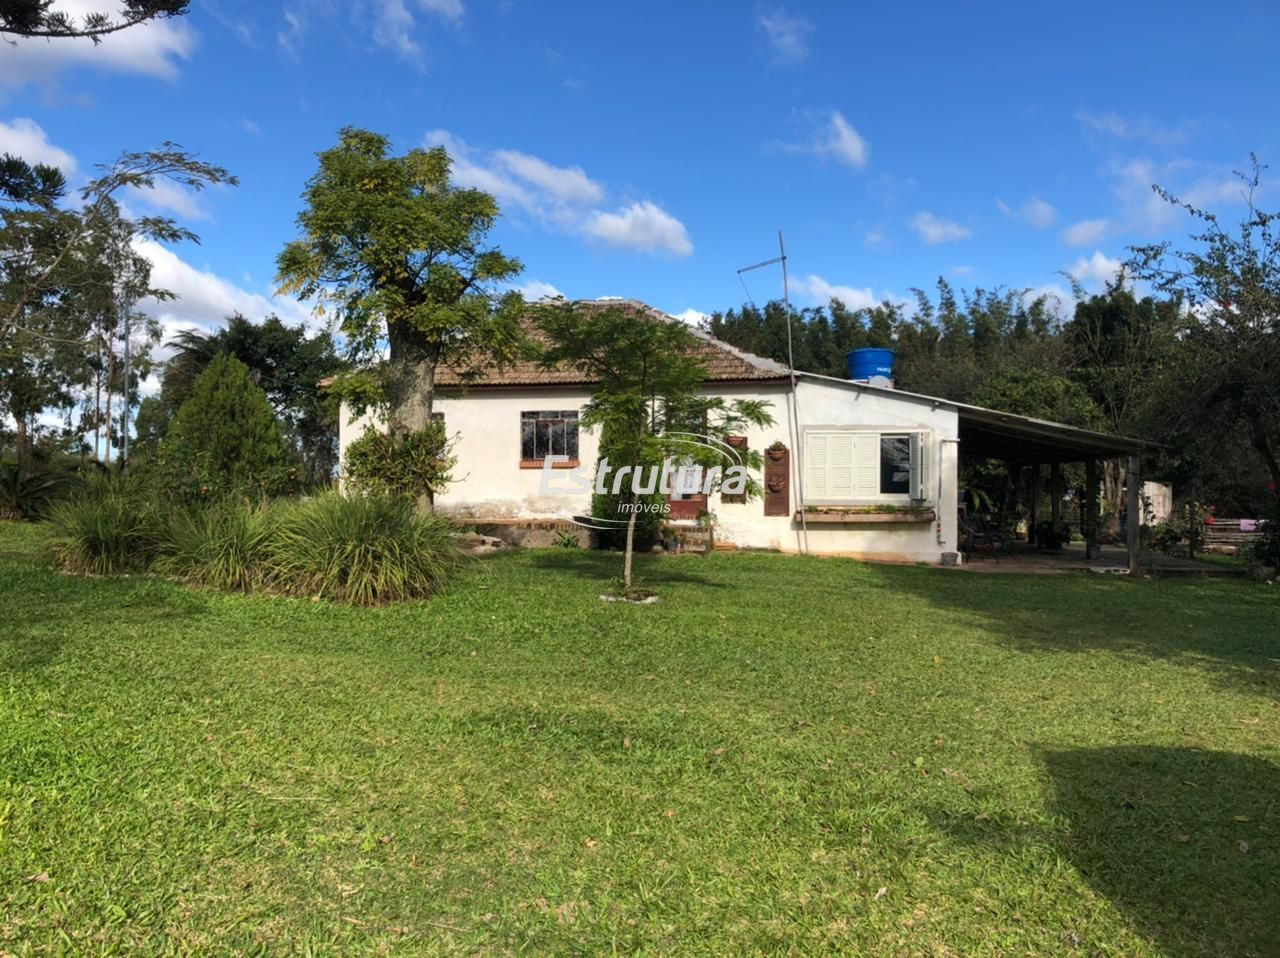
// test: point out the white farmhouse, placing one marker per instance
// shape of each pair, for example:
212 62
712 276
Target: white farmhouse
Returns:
851 468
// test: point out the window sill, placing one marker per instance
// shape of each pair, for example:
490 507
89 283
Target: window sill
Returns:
834 516
540 463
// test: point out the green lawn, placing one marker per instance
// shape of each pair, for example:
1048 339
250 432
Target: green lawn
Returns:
785 756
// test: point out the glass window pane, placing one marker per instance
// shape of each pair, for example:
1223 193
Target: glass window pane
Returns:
527 445
895 465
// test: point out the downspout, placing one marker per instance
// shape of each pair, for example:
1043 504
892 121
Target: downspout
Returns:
942 539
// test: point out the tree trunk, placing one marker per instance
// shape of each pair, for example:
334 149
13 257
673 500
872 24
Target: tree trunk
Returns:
411 387
1113 494
631 539
1258 433
24 442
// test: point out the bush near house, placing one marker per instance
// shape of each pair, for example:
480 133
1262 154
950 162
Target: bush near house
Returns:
361 550
109 527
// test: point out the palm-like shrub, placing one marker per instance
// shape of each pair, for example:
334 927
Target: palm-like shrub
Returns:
29 494
223 546
106 528
363 550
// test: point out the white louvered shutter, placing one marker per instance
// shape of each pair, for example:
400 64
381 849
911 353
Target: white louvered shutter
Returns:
841 453
815 466
866 482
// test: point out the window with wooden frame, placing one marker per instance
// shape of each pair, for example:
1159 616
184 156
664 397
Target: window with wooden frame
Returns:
860 466
545 433
739 443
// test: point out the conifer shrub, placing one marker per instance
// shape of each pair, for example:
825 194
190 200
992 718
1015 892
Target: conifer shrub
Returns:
225 440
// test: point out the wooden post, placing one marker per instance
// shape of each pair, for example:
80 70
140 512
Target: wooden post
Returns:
1034 485
1055 495
1133 508
1091 550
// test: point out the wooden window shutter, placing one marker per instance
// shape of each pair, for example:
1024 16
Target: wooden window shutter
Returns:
777 480
739 443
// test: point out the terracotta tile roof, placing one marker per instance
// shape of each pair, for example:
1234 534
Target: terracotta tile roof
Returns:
724 363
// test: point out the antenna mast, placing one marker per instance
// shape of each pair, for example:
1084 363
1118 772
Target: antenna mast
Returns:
793 413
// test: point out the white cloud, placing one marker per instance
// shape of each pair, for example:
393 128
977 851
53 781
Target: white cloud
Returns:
1086 232
1058 301
788 36
693 317
248 126
933 229
205 300
151 49
394 23
961 270
873 237
25 138
819 291
535 290
1035 212
833 138
1120 127
290 38
562 198
640 226
1097 270
168 196
566 183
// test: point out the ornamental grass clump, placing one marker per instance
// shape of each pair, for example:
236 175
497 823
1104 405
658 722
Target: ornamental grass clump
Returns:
223 546
362 550
106 528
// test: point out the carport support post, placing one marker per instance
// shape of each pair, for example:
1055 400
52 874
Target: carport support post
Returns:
1034 485
1091 509
1133 518
1055 495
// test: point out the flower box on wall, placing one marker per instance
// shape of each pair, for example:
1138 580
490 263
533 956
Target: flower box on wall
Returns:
859 515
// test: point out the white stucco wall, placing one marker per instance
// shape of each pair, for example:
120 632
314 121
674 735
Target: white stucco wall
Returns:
489 482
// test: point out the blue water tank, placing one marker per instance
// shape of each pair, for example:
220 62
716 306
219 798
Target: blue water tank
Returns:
866 364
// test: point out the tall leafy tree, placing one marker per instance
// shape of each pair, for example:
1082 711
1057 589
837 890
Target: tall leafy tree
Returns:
40 19
1118 346
97 207
1229 344
649 380
402 256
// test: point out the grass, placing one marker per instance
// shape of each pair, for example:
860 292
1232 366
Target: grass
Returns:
784 756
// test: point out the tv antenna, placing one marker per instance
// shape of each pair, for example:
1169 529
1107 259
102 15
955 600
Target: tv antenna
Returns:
793 416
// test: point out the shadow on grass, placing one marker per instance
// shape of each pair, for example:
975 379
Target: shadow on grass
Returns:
1227 627
649 570
42 609
1185 842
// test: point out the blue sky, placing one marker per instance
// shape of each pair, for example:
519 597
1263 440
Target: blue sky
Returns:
650 150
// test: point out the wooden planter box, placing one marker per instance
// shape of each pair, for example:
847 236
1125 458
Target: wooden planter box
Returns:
849 517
